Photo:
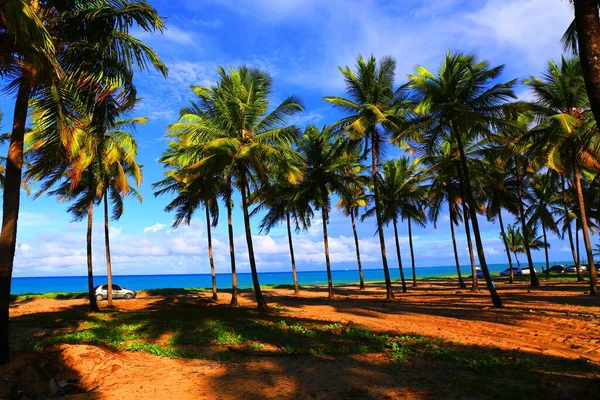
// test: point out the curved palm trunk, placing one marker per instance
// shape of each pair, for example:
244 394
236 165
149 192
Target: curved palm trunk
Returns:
90 270
588 37
10 209
412 253
326 244
107 248
461 283
586 233
546 249
570 230
533 276
386 271
575 251
399 257
466 187
360 272
517 258
234 289
475 284
210 255
289 231
510 265
260 300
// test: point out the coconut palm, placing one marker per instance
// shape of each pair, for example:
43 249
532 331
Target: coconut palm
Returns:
583 37
228 129
191 194
374 111
443 189
568 134
500 194
544 187
350 202
516 240
461 100
102 158
277 198
62 56
329 159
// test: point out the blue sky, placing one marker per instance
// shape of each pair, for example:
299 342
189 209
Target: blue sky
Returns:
300 43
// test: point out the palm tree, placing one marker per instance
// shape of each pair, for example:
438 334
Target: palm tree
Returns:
441 168
103 153
350 202
501 194
278 199
374 111
401 193
462 101
61 57
583 36
227 129
544 187
328 162
516 240
568 134
191 194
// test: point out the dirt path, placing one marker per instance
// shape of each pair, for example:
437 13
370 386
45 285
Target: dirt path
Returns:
556 321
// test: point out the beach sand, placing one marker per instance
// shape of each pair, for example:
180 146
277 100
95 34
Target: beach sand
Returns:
554 322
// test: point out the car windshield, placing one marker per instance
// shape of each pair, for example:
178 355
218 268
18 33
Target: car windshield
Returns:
116 287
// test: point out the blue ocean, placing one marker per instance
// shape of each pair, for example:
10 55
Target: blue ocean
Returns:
141 282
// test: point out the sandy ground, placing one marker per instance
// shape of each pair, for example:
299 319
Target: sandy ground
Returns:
554 321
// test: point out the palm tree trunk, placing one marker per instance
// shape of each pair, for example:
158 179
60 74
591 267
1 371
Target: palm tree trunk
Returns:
289 231
399 257
412 253
260 300
588 37
234 289
466 187
10 209
90 270
585 230
570 230
107 248
575 251
546 249
360 271
326 245
386 271
512 278
518 263
533 276
210 255
475 284
577 229
461 283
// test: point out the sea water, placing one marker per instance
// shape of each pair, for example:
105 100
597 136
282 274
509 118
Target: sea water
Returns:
141 282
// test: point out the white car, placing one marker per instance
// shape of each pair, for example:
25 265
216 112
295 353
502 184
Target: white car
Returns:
506 272
571 268
524 271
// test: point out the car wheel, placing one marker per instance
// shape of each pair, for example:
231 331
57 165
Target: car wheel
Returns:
99 297
128 296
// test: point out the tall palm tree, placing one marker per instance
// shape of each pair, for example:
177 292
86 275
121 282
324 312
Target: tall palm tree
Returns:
583 36
375 110
104 153
191 193
328 160
441 169
568 134
544 188
61 56
228 129
516 240
464 101
350 202
277 198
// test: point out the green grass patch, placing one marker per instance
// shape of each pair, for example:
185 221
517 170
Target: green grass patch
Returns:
55 296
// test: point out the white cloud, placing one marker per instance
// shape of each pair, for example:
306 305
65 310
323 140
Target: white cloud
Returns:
155 228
